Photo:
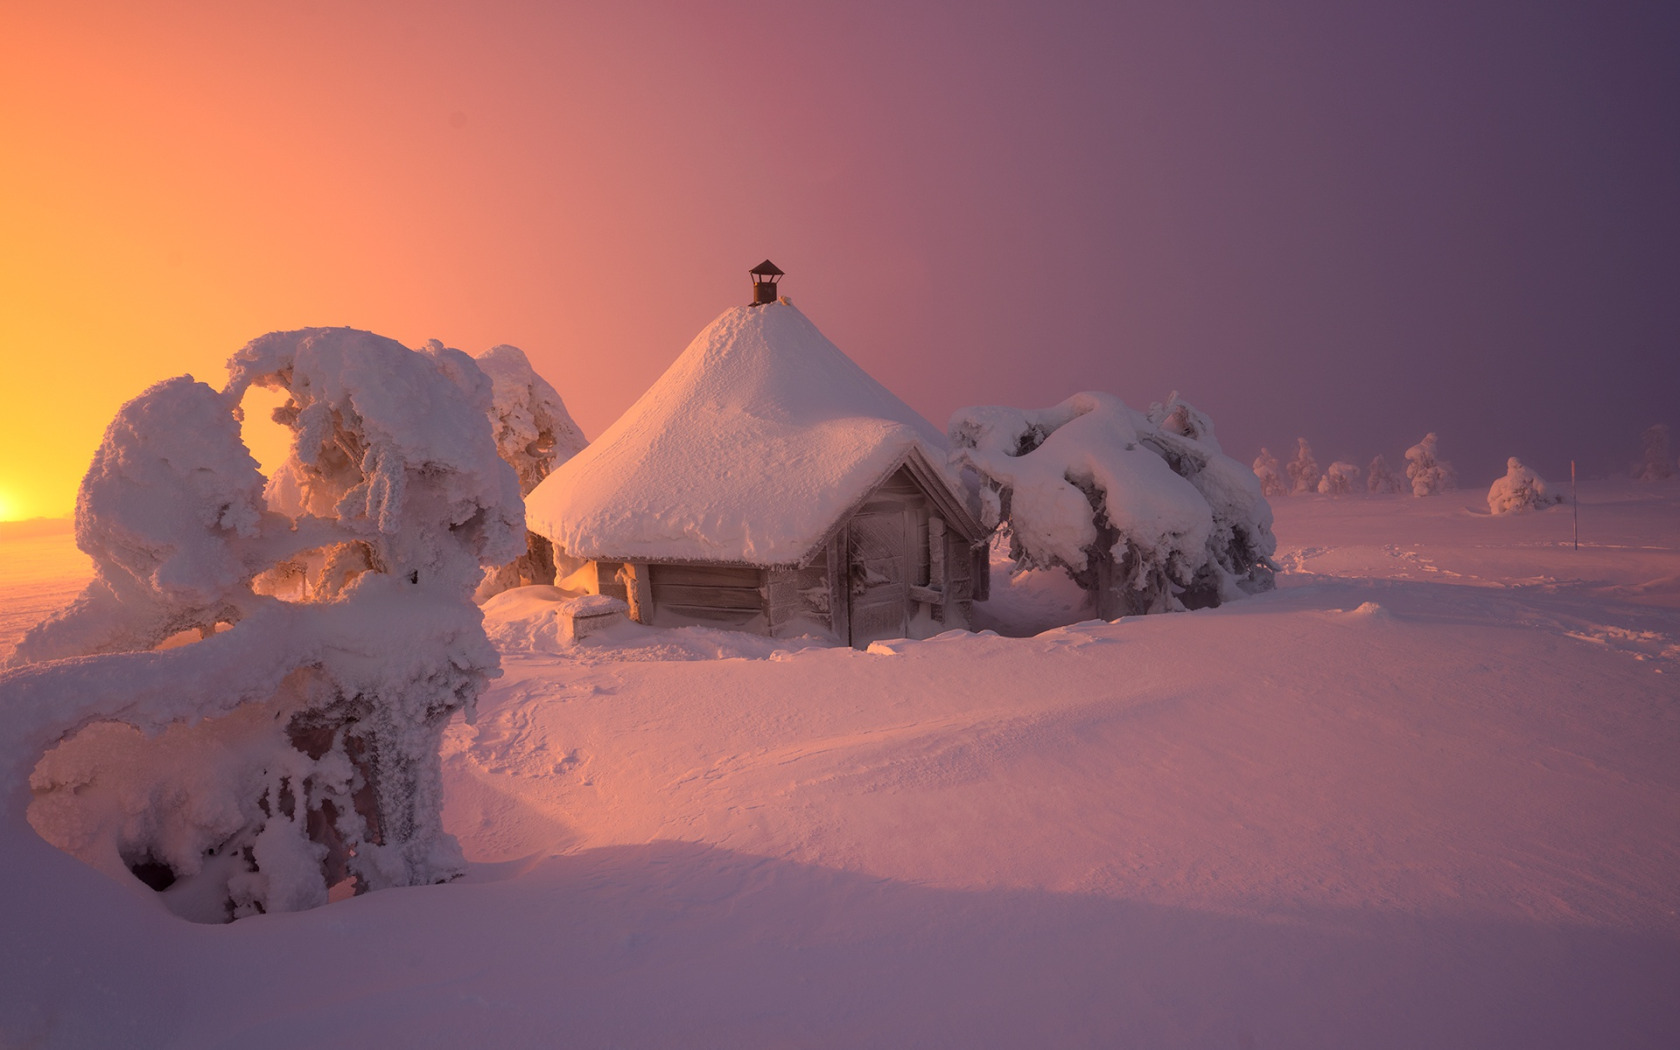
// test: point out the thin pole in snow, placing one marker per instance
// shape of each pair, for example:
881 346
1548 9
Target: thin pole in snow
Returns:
1574 505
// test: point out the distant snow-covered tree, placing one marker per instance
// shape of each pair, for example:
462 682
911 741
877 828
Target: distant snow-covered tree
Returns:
1143 510
1380 477
1520 489
1428 473
534 434
1266 468
1303 469
1338 479
296 741
1654 465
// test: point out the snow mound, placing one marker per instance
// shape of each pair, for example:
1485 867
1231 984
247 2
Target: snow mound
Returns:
1519 490
1143 510
748 448
529 620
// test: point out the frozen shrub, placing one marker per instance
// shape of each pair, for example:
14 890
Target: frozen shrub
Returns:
1428 473
299 740
1520 489
1339 479
1266 468
534 434
1303 469
1654 465
1142 510
1380 477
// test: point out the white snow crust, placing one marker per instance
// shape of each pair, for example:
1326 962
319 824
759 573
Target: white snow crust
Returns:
748 448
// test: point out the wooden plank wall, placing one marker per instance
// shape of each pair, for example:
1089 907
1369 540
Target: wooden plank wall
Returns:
716 595
784 602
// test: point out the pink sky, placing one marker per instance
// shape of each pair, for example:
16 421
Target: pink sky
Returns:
1334 221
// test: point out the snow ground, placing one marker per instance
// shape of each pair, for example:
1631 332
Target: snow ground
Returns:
1424 794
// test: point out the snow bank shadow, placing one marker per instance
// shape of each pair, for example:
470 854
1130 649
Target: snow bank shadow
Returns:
685 945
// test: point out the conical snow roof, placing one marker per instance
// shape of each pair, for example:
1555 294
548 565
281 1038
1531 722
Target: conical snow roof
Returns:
747 450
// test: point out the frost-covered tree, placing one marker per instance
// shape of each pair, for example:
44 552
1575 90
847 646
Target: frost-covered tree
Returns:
1380 477
299 740
1654 465
171 514
1520 489
1339 479
1143 510
535 434
1303 469
1429 474
1266 468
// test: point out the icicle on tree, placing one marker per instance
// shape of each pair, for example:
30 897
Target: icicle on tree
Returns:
535 434
1519 490
1303 469
299 740
1655 464
1266 468
1142 510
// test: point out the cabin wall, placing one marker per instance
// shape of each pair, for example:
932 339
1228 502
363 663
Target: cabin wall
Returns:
887 535
730 596
931 605
800 601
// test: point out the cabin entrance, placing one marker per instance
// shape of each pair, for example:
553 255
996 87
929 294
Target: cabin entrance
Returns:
878 567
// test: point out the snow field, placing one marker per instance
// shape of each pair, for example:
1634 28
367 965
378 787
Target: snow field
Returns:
1421 795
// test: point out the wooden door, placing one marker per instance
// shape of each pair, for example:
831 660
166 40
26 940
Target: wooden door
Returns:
878 568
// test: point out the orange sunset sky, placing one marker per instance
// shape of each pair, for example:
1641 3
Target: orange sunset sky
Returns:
1348 222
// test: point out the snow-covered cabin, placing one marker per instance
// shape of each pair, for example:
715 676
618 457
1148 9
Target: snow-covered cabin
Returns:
769 484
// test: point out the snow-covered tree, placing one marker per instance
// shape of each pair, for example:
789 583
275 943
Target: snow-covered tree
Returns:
1428 473
1303 469
1520 489
1380 477
535 434
1339 479
1143 510
299 739
1655 464
1266 468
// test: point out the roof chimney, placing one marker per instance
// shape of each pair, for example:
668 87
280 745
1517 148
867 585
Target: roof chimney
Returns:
764 275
